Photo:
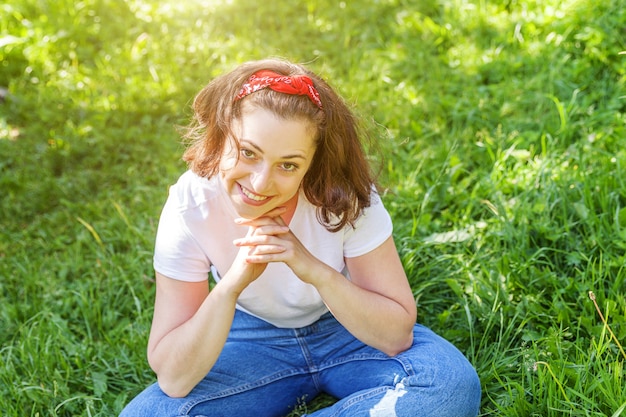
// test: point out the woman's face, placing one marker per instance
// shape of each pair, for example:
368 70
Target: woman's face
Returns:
274 155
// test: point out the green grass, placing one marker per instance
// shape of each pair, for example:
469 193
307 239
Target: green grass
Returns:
502 133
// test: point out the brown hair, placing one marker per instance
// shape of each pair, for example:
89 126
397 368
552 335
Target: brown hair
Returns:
339 180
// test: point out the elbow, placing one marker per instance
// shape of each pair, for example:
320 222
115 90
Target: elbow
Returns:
403 339
400 346
173 389
171 386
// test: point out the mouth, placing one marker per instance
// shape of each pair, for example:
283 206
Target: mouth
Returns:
256 198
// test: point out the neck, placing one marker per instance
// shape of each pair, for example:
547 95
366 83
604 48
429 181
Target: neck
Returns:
291 208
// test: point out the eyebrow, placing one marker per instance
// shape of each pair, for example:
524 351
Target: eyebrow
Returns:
255 146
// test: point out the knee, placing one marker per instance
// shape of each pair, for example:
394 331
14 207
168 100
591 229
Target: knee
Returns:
449 389
460 391
465 391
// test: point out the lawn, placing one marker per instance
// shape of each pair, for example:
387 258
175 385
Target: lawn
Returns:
502 152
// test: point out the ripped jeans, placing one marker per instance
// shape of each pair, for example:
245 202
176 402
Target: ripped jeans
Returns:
265 371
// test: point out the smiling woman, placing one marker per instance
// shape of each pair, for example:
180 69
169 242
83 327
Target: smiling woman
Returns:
311 297
338 181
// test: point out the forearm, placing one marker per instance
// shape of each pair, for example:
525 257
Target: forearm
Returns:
376 320
377 306
187 353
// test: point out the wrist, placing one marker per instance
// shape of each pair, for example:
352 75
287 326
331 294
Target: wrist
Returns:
226 290
322 277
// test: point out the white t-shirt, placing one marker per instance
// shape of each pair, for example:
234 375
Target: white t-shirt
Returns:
195 235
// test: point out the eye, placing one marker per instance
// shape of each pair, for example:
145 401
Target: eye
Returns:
289 166
247 153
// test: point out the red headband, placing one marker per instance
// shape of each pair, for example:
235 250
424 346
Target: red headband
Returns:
299 85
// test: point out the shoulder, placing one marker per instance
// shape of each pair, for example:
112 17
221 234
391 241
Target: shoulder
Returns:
370 230
181 242
192 191
375 212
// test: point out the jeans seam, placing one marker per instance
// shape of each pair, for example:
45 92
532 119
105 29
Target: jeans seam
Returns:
406 365
313 369
188 406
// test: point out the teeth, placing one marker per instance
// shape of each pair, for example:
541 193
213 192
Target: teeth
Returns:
252 196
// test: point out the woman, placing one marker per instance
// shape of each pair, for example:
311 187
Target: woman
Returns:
279 205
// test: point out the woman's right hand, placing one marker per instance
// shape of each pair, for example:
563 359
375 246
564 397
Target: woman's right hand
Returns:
242 272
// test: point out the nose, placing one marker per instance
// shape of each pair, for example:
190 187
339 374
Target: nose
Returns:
261 179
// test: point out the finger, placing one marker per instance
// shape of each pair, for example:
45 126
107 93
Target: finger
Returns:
276 212
259 221
257 251
264 258
256 240
279 220
267 231
270 230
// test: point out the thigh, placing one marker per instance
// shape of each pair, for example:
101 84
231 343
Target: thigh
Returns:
348 366
432 378
252 379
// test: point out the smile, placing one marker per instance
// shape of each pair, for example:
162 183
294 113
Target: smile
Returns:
251 195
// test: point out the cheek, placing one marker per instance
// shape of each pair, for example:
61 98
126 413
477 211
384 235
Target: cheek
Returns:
293 185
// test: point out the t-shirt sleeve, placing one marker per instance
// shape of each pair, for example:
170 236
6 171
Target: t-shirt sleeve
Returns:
177 253
370 230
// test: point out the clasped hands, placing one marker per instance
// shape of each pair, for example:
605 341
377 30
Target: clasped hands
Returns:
269 239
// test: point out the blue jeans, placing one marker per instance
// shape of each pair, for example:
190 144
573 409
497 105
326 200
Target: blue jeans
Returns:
265 371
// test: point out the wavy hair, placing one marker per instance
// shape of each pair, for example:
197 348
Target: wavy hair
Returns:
339 181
